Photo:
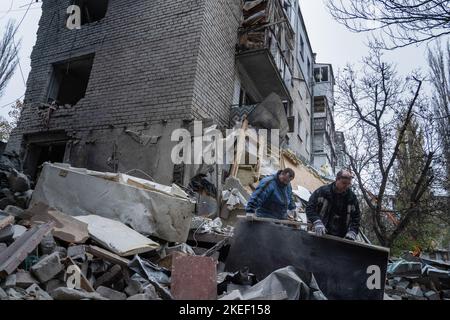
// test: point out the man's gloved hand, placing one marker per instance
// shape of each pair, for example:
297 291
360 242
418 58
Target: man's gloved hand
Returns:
250 215
319 228
351 235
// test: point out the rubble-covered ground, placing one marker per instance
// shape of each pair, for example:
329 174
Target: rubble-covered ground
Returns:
46 254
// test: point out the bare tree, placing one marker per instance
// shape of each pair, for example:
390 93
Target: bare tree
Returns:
6 126
8 56
399 22
439 62
378 107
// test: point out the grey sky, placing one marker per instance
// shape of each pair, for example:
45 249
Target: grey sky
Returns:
332 42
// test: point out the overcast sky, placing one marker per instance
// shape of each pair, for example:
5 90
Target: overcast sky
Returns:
332 42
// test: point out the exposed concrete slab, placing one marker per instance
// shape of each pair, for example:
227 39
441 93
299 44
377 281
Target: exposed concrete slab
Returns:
117 237
66 228
47 268
149 208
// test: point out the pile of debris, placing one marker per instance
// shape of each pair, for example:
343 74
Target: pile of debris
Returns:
135 246
15 187
418 278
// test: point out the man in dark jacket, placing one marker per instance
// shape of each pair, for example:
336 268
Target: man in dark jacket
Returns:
273 196
334 208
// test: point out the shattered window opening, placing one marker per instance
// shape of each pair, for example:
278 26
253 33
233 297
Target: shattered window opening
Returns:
92 10
70 80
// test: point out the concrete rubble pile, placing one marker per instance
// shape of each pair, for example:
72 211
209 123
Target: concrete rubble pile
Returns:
418 278
86 235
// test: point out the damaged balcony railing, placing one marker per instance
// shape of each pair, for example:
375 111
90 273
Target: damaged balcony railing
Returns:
266 26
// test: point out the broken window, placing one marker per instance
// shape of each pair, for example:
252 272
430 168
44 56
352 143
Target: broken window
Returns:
91 10
70 80
49 147
319 105
321 74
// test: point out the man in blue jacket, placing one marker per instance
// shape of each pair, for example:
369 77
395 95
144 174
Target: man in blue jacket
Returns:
273 196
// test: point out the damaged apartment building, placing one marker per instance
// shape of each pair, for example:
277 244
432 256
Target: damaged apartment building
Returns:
108 96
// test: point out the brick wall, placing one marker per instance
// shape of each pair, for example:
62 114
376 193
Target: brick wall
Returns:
154 60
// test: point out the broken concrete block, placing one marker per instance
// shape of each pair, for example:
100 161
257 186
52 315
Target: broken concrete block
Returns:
151 209
24 279
53 284
113 275
37 293
23 200
62 252
7 233
47 245
134 287
3 294
402 286
18 231
415 291
194 278
47 268
16 293
74 294
432 295
446 294
15 211
67 228
4 202
3 246
77 252
141 296
18 182
151 292
10 281
111 294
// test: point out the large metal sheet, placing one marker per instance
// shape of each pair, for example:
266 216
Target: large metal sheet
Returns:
339 266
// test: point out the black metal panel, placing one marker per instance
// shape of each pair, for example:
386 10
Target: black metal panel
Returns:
339 266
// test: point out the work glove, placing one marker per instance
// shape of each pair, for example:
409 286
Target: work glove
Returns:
250 215
351 235
319 228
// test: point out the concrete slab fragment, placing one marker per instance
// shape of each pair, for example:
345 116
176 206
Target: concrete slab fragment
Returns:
149 208
66 228
116 236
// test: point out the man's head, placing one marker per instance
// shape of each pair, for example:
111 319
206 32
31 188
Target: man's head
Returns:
286 176
343 181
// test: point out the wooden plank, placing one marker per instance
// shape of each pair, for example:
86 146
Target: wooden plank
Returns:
109 256
240 148
12 257
285 222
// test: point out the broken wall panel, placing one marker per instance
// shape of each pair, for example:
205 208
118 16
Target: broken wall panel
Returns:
79 192
339 266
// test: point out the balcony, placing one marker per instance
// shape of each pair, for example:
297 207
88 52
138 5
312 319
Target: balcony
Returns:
265 50
319 124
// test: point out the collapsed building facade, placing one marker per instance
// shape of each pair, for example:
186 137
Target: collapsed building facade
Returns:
108 96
